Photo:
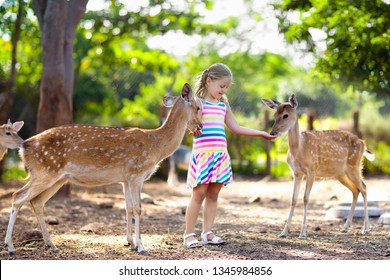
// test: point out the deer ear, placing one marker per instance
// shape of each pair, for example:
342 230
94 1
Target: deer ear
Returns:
17 125
293 101
271 103
186 93
169 101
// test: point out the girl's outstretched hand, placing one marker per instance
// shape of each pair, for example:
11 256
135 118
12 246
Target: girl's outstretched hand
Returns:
268 136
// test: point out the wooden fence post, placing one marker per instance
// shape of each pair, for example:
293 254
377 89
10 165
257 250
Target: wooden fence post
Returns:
311 115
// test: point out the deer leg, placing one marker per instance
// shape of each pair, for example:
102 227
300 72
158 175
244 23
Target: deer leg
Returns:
360 186
8 238
309 185
129 214
136 201
38 204
363 190
345 180
172 176
297 184
19 198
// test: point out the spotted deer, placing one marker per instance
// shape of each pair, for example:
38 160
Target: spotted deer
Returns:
100 155
9 138
332 153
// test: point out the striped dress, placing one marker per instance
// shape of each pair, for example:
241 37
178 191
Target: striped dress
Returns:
210 162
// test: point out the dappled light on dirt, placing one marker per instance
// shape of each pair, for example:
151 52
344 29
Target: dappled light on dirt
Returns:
91 224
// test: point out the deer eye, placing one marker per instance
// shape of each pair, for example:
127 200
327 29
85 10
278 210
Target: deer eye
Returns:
197 109
8 133
285 116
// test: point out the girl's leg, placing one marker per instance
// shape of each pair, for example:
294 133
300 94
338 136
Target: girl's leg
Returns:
193 209
210 207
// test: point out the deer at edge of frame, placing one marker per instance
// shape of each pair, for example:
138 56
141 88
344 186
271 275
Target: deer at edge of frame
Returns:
97 155
9 138
328 153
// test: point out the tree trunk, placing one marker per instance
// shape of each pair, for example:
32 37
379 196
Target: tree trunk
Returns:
7 97
53 108
76 10
58 20
311 115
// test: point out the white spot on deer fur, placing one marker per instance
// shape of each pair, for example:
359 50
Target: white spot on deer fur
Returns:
45 153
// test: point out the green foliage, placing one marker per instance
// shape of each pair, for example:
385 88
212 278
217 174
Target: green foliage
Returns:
381 164
13 172
120 80
356 34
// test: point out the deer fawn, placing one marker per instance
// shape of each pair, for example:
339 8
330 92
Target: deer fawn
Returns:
334 153
97 155
9 138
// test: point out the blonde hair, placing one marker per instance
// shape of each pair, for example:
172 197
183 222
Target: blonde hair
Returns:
216 71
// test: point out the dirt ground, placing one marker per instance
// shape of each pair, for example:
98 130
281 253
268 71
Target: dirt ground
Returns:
91 224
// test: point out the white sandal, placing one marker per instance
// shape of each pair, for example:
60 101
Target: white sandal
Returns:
193 243
214 241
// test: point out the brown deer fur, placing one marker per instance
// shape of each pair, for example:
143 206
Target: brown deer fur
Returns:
334 153
97 155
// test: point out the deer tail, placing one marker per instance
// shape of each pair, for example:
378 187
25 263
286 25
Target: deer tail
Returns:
370 156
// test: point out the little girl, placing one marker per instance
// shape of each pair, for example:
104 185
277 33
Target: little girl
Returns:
210 166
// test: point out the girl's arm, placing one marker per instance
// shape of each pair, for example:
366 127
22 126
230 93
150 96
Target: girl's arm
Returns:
234 127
